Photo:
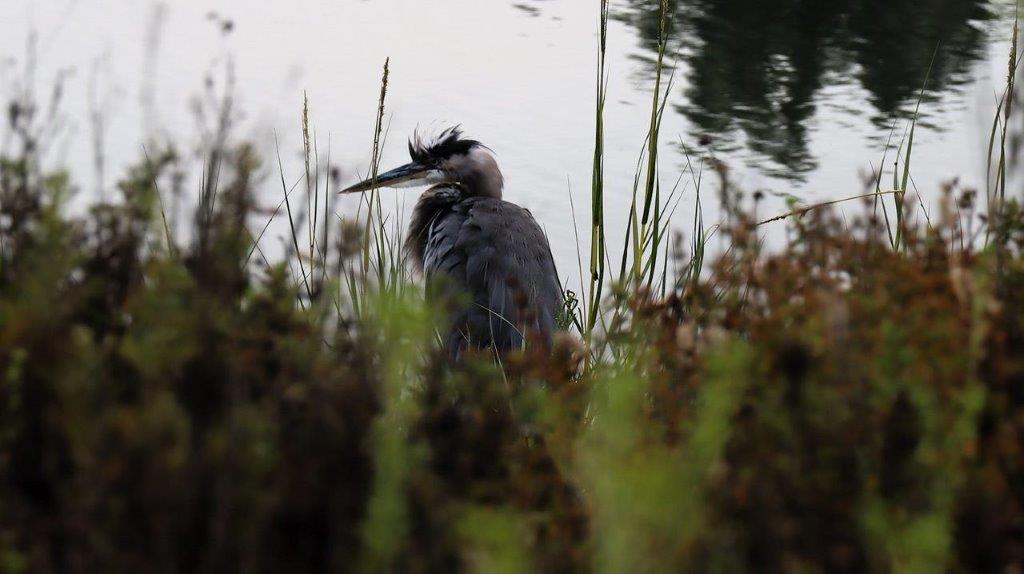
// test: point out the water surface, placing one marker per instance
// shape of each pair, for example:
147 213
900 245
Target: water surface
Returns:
797 97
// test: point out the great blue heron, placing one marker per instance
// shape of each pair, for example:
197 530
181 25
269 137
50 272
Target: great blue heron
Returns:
465 237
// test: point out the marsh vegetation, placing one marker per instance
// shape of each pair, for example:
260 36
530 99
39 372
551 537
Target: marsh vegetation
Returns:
176 397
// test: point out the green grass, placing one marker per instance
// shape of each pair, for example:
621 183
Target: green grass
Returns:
597 233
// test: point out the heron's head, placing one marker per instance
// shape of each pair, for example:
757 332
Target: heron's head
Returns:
447 158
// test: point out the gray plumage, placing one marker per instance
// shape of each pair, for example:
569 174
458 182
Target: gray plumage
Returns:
488 255
494 254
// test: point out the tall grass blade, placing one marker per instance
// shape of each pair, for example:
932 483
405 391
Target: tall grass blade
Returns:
597 230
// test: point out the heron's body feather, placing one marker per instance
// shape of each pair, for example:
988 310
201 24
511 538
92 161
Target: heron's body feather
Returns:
495 256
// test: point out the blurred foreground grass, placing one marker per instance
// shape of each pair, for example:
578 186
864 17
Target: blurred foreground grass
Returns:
836 405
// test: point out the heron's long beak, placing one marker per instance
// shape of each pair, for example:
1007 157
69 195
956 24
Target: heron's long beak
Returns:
409 175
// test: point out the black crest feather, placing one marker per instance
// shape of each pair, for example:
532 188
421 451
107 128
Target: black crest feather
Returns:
444 145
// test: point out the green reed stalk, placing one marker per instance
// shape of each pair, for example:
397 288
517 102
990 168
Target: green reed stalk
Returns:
646 239
310 193
654 230
374 199
995 193
1010 76
901 185
291 222
650 187
597 230
326 242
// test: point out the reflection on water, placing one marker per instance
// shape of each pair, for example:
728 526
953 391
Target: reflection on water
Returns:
795 96
759 66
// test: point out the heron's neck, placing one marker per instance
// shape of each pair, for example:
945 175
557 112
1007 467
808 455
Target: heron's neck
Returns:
479 174
484 184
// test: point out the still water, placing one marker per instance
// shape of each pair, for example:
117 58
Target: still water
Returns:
798 97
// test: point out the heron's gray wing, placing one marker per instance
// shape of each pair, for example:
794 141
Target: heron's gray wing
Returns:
496 254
